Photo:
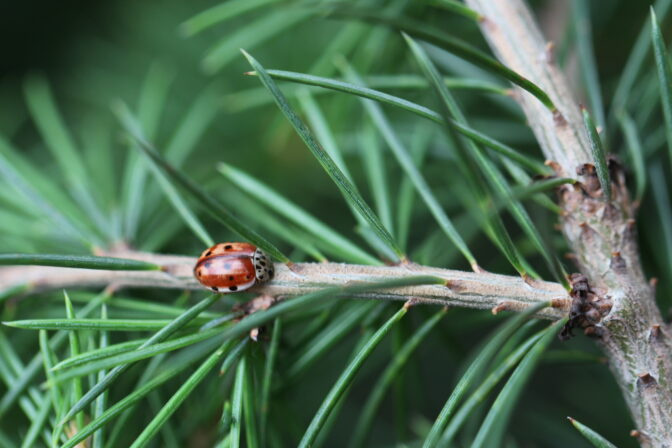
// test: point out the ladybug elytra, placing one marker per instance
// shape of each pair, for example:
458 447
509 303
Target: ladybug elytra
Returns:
230 267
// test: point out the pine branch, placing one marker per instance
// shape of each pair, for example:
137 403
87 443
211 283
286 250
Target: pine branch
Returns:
463 289
600 231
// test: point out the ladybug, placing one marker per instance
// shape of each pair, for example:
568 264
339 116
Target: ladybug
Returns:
231 267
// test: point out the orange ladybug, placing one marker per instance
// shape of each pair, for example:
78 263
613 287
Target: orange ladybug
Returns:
231 267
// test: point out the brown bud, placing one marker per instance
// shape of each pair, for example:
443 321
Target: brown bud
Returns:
593 315
604 306
617 263
558 118
646 380
455 285
587 232
508 306
555 166
560 303
653 282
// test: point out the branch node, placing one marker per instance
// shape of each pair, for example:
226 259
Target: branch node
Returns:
455 285
588 308
478 269
508 306
111 289
259 303
548 55
617 262
555 166
528 279
630 233
410 303
571 256
587 232
559 119
653 283
487 23
640 435
646 380
560 303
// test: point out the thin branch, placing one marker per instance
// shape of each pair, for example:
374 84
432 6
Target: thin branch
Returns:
463 289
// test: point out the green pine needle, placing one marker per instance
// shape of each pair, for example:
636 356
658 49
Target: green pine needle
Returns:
495 422
78 261
422 111
664 70
347 188
210 204
476 370
593 437
449 43
164 333
339 390
178 398
457 8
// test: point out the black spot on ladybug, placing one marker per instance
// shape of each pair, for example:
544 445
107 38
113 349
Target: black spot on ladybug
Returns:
198 273
231 277
248 276
258 267
233 288
208 253
228 246
270 272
